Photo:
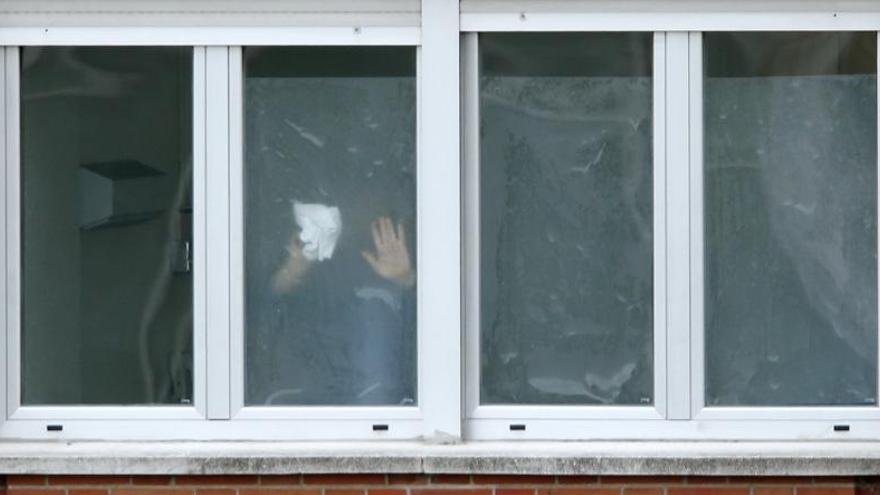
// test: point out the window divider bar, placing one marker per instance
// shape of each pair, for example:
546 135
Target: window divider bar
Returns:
438 184
470 159
877 211
659 212
678 225
236 228
217 231
3 248
12 243
695 129
199 238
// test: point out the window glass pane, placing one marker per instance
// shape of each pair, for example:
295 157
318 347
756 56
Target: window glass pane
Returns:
330 222
566 218
790 218
106 162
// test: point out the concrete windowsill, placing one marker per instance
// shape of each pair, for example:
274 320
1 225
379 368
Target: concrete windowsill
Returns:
649 458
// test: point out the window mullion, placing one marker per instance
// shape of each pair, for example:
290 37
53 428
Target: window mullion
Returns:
12 255
878 194
439 221
678 226
695 127
470 97
199 248
236 227
5 153
659 210
216 204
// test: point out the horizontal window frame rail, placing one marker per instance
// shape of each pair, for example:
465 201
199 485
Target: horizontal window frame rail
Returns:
777 429
210 36
515 413
345 413
201 430
87 412
666 21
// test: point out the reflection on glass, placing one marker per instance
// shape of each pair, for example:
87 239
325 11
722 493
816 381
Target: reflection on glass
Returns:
790 218
330 153
566 218
106 225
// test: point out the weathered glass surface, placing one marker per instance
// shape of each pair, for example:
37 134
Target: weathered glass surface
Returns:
790 218
106 163
330 160
566 219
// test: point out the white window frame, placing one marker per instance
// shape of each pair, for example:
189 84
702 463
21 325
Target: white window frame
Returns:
402 421
448 408
678 230
217 411
491 420
864 416
32 421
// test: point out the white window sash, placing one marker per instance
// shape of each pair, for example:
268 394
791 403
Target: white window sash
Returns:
436 415
494 421
298 419
14 410
699 409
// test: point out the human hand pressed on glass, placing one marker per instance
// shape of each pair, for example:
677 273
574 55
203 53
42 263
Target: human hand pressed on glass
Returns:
391 259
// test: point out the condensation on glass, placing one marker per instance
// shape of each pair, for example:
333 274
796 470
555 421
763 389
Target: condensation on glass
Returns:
566 218
330 222
106 166
790 192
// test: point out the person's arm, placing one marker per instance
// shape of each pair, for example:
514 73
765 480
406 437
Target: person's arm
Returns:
293 270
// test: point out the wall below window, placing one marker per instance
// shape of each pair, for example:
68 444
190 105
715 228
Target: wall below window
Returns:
447 484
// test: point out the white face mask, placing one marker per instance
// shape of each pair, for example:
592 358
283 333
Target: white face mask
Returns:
320 227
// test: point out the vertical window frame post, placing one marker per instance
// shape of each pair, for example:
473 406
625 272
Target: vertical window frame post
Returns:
439 230
6 153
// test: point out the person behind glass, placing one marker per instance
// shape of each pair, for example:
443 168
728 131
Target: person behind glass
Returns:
373 312
391 259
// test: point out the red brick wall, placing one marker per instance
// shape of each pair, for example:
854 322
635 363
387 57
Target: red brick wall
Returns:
399 484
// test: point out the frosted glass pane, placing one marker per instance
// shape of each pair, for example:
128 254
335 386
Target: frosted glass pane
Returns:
106 162
566 219
790 218
330 222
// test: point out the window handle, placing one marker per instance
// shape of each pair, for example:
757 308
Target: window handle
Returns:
181 257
